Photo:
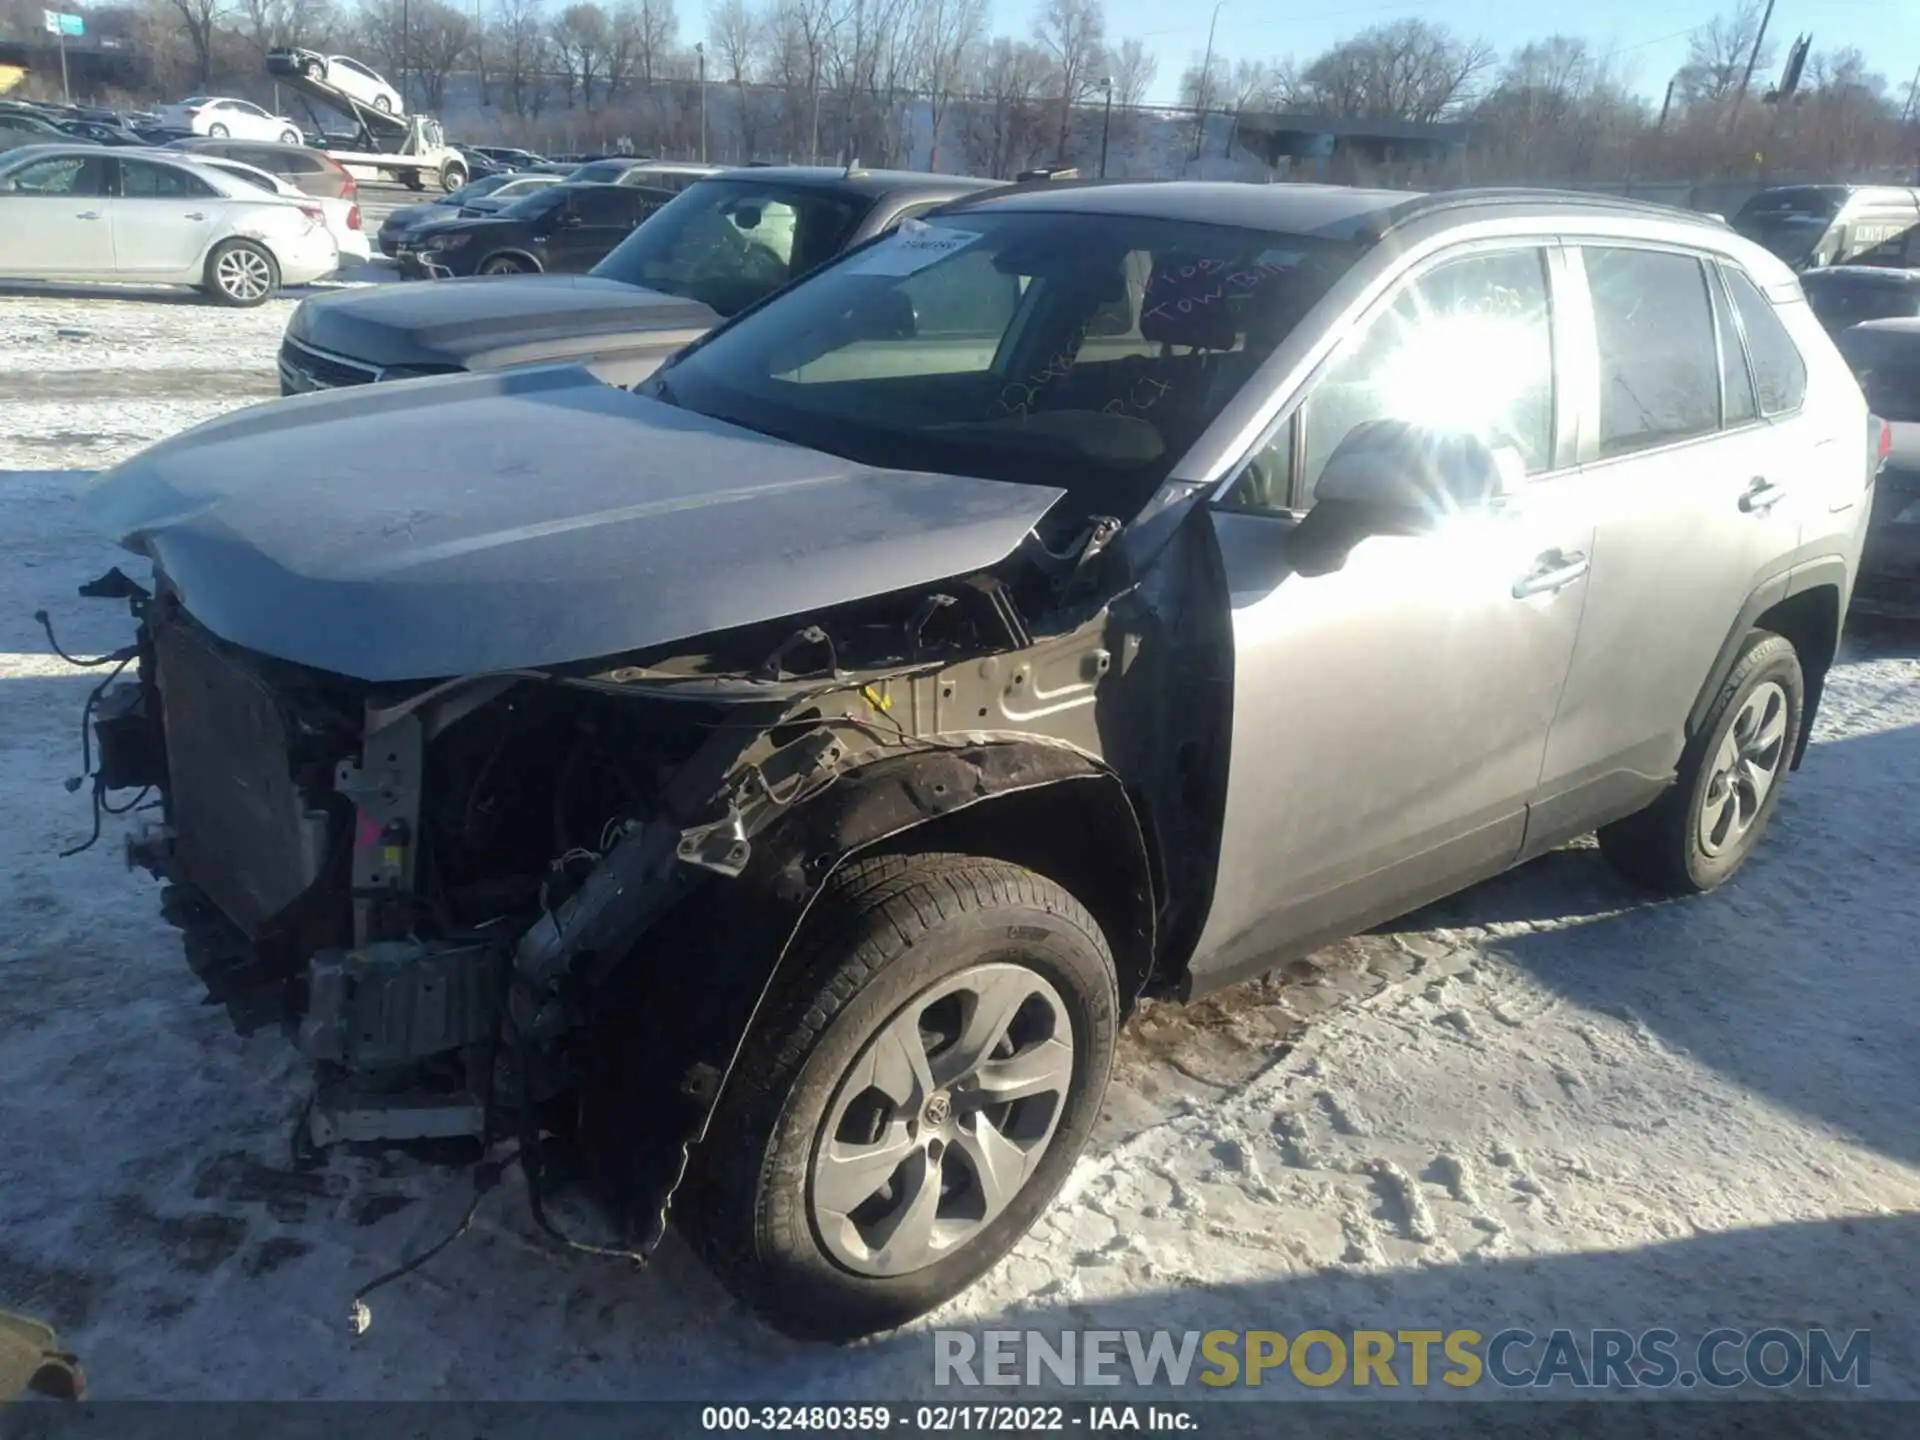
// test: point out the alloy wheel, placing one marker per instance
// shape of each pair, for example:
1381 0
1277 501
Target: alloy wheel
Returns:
243 274
1745 769
941 1120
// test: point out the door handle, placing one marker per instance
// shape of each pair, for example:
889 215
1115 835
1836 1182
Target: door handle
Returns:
88 215
1761 496
1553 571
196 215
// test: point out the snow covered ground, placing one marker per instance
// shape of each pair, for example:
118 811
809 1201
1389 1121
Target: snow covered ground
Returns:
1544 1103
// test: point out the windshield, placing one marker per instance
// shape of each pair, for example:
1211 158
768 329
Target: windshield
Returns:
534 206
475 190
1791 221
1077 350
729 243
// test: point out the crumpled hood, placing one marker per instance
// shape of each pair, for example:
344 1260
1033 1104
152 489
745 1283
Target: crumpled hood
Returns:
482 322
533 517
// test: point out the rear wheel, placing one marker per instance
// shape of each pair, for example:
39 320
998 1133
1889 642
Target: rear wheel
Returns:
383 104
217 132
504 265
1706 824
289 137
922 1079
241 273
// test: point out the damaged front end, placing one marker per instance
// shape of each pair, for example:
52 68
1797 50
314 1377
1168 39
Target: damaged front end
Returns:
550 900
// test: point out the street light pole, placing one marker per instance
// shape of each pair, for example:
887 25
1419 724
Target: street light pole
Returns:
1106 122
406 49
700 49
1206 85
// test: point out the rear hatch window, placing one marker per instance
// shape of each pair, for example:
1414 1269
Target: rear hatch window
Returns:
1887 364
1840 300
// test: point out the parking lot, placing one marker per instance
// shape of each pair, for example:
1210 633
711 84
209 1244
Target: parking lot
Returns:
1546 1102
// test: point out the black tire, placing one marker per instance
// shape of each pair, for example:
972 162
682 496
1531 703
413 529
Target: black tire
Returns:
289 137
217 132
383 105
503 265
219 284
1661 847
888 930
452 176
413 181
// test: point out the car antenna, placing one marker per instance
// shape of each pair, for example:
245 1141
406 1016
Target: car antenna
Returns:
853 168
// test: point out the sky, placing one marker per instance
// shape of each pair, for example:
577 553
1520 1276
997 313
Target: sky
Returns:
1650 36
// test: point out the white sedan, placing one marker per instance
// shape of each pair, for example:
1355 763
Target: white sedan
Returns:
345 74
222 117
89 213
342 216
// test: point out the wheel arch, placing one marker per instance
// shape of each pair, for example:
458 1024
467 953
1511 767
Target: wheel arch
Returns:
670 1028
1806 606
506 251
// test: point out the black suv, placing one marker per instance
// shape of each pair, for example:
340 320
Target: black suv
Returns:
564 228
718 247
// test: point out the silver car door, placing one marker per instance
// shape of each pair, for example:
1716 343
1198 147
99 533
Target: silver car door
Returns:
1390 713
163 219
53 219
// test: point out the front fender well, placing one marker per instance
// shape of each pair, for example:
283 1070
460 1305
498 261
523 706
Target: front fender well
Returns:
670 1028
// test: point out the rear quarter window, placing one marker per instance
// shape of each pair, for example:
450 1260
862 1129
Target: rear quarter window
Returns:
1779 371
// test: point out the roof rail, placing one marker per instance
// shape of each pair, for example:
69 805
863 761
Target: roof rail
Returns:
1438 202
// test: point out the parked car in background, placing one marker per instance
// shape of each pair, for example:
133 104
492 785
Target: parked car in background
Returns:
1885 356
798 767
480 197
1812 226
22 127
342 216
222 117
479 166
1844 295
312 172
672 175
87 212
508 155
102 132
722 244
566 229
351 77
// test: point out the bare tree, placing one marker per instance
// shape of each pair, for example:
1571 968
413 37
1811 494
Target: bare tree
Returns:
1405 70
1718 51
202 18
946 35
1134 69
1073 34
520 46
442 37
582 37
737 36
269 23
1005 119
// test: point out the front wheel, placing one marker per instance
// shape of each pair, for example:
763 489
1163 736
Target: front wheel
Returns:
217 132
289 137
503 265
923 1078
383 104
1703 828
452 176
241 274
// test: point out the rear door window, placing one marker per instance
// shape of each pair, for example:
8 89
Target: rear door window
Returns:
144 180
1779 372
1659 366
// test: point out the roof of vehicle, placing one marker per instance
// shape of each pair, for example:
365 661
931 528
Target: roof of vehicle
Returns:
1335 211
863 182
1905 326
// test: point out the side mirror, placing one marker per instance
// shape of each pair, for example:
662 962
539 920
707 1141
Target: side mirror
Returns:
1389 477
1409 476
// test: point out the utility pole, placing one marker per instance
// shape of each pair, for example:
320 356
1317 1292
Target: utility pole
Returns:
1106 122
700 50
1205 92
406 50
1753 59
1665 106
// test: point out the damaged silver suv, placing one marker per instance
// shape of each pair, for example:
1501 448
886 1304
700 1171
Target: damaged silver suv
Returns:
776 785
